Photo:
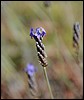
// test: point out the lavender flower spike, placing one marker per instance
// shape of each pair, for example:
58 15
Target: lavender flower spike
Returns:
39 34
33 88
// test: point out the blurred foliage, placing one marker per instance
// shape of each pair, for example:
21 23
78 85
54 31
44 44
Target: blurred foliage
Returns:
18 49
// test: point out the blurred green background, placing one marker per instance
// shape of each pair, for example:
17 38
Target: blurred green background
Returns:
18 49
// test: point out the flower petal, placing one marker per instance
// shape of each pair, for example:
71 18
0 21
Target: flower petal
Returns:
31 32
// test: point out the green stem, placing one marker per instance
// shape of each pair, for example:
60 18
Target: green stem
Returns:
48 84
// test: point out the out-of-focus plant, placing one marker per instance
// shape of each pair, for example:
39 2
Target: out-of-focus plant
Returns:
31 70
76 38
47 3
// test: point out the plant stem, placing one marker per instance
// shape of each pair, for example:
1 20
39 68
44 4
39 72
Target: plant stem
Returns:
77 55
47 80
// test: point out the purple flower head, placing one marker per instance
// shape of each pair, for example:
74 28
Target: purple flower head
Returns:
39 32
30 69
